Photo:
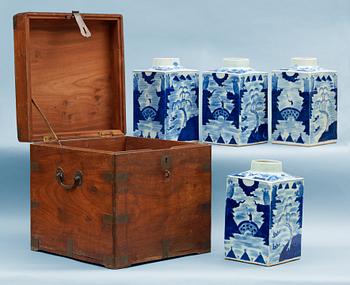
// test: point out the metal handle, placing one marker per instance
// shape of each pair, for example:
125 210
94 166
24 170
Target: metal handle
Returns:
78 179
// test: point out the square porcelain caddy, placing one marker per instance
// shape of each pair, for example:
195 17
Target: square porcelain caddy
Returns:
166 101
304 104
264 210
98 195
234 109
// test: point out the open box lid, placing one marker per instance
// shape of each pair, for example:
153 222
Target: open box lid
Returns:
69 71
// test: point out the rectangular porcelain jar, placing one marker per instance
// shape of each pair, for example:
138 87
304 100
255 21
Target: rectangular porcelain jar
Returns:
235 104
264 209
304 104
166 101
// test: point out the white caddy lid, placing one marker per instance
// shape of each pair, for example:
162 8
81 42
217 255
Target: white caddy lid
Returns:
166 61
304 61
234 62
266 166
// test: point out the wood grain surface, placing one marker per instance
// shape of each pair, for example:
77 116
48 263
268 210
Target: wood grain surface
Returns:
132 207
77 82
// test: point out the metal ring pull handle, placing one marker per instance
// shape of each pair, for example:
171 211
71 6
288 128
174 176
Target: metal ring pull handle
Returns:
78 179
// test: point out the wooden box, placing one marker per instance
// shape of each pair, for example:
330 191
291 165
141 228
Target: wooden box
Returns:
98 195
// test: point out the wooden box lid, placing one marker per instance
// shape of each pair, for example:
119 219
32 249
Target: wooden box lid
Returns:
67 81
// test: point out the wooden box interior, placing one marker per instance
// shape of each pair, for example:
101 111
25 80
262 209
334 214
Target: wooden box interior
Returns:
77 82
121 143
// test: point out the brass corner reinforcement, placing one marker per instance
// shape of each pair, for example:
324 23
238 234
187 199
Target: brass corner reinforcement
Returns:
69 247
109 261
34 243
110 176
34 166
34 204
206 167
119 178
15 22
114 262
165 248
119 219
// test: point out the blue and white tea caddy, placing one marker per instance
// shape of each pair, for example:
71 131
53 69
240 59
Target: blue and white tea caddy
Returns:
304 104
166 101
263 220
235 104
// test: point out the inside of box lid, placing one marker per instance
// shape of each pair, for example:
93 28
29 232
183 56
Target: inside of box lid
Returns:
77 82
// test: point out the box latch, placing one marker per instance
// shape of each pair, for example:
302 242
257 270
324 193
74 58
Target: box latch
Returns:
166 165
84 30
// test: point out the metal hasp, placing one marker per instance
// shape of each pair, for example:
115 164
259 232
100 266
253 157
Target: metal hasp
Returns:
84 30
166 165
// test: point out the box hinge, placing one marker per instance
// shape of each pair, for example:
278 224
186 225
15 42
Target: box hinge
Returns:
108 134
84 30
48 139
119 219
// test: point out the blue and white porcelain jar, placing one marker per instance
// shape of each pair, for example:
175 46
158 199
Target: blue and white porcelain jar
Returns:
264 210
166 101
304 104
235 104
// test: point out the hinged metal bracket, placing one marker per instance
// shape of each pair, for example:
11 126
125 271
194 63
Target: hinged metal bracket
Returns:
48 139
84 30
107 134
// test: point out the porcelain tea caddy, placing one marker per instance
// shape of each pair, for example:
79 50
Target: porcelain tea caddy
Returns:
235 104
304 104
166 101
263 220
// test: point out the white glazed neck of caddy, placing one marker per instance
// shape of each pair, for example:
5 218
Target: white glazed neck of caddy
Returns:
266 166
235 64
166 63
305 63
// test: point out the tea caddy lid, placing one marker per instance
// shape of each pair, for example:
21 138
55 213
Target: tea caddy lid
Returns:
236 62
266 166
304 61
